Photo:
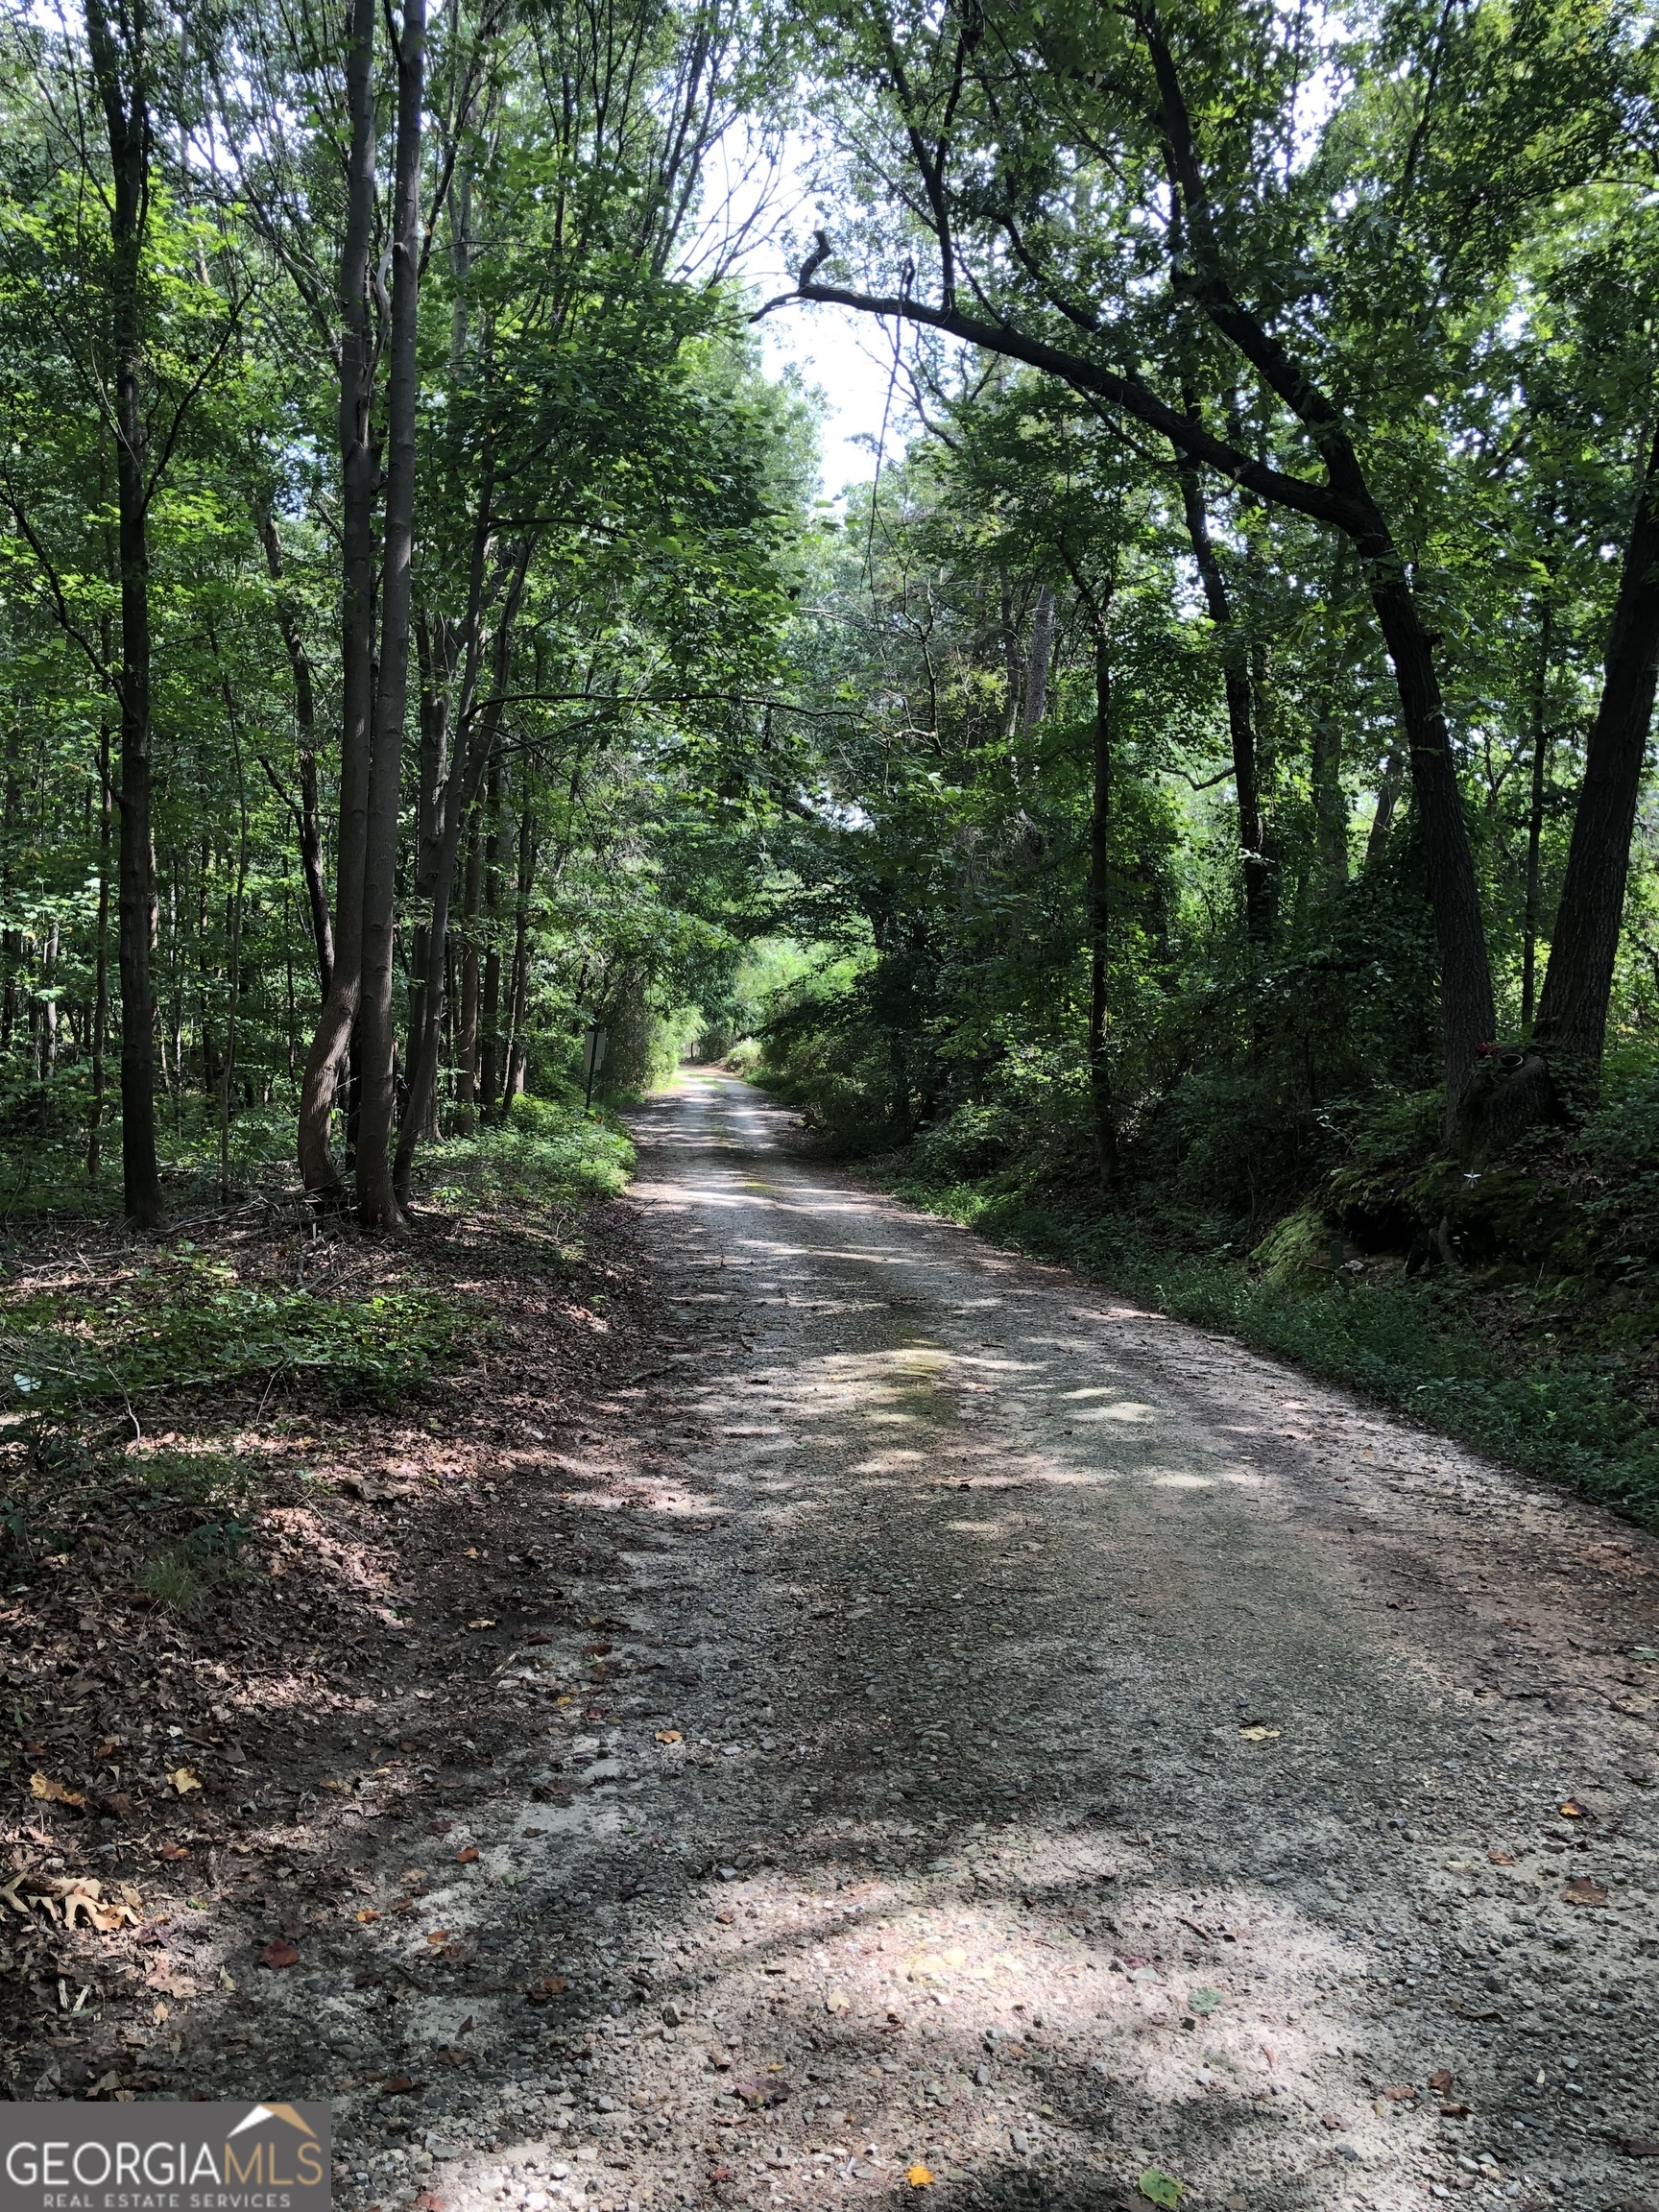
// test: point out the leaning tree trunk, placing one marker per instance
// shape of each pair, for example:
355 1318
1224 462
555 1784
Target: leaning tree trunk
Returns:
377 1204
121 63
332 1039
1571 1025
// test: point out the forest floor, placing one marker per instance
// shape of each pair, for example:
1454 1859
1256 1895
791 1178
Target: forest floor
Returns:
825 1712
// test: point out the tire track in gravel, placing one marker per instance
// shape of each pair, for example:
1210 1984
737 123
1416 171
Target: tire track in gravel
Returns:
1071 1746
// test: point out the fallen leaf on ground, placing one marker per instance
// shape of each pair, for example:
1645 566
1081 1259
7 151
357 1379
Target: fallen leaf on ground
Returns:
398 2085
1574 1811
1501 1858
480 1624
184 1779
535 1636
919 2177
52 1793
439 1827
175 1851
67 1898
1581 1890
837 2001
468 1855
1454 2112
1161 2188
669 1736
366 1915
437 1935
550 1986
1204 2001
1442 2080
280 1953
1249 1735
1400 2092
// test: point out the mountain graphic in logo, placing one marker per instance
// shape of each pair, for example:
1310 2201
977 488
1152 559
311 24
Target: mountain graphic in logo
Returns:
260 2113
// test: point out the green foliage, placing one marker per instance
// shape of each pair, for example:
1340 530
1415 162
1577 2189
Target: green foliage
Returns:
183 1322
547 1153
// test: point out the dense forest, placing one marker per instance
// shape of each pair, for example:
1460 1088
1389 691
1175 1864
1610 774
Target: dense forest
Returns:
1203 774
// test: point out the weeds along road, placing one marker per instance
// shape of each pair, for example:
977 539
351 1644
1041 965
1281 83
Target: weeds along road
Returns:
1080 1758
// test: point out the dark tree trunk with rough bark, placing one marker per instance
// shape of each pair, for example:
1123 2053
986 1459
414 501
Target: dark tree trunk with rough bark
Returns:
333 1041
121 67
1571 1024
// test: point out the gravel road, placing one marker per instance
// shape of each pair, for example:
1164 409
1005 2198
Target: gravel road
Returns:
1062 1755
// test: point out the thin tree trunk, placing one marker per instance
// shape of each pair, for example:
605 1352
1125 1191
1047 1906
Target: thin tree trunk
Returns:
1240 721
467 1036
332 1039
101 987
1579 983
48 983
306 818
489 1048
376 1197
1329 800
519 1003
234 979
1101 914
1535 807
121 67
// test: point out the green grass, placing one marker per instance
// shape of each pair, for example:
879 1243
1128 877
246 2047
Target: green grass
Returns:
1422 1348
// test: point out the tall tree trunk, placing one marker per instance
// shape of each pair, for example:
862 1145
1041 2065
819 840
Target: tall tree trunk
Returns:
489 1045
466 1034
306 819
1241 720
1572 1023
1535 807
331 1043
1325 767
120 53
519 1001
101 986
377 1204
1100 913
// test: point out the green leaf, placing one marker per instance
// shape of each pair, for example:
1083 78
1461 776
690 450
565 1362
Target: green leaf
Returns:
1204 2001
1161 2188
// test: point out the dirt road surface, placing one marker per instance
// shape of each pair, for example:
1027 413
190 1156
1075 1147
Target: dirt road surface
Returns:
1045 1755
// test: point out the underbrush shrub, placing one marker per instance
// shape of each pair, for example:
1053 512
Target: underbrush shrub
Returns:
548 1152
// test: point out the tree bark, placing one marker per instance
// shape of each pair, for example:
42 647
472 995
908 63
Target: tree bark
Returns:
490 1048
1572 1023
101 987
1535 809
121 67
518 1000
332 1038
377 1204
466 1034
